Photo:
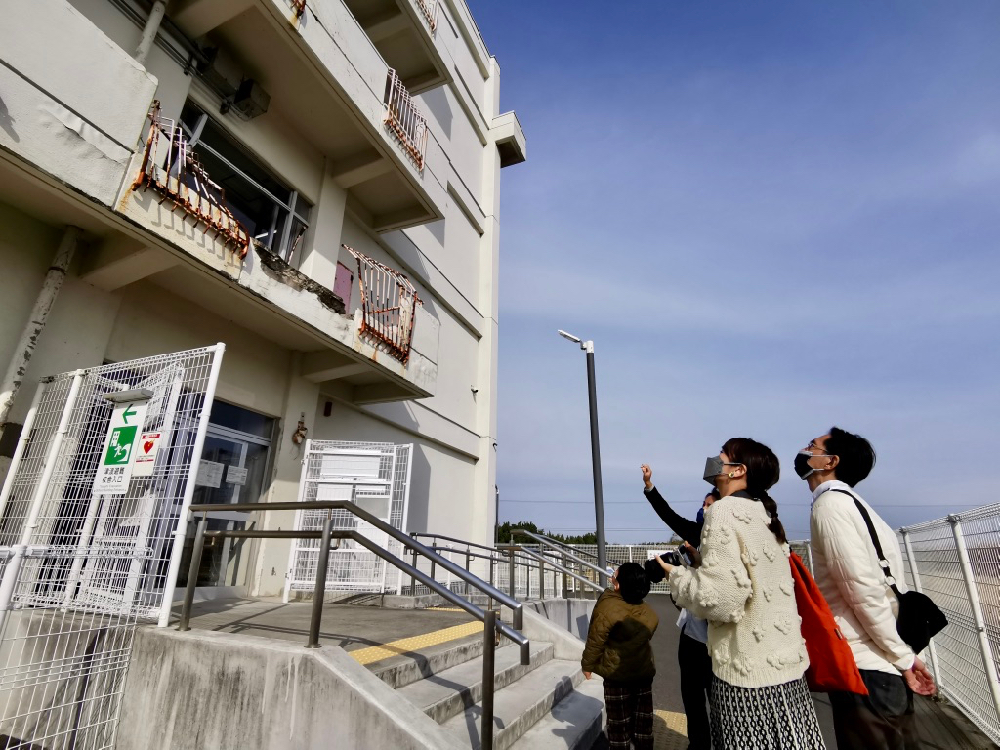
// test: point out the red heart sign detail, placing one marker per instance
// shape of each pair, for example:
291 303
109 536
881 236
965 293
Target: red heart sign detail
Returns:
148 445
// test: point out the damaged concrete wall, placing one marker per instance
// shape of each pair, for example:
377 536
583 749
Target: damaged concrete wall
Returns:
72 103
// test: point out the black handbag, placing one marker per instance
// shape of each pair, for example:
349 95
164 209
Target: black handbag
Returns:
919 618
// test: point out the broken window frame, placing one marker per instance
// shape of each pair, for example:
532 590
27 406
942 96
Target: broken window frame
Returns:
293 214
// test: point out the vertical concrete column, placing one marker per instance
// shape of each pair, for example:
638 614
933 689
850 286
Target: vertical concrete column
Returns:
485 508
323 242
301 397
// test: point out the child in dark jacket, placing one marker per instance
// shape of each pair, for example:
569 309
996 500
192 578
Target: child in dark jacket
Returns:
618 649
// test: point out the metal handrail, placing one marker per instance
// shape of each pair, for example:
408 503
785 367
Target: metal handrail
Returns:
552 541
542 562
491 624
417 534
536 559
553 544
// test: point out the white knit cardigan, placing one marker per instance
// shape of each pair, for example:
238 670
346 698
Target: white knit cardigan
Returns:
744 589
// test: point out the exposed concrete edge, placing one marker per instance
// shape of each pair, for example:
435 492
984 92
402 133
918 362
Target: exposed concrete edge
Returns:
425 731
539 628
358 683
573 615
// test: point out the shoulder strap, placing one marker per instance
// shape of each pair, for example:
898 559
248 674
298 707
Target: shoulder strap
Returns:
890 579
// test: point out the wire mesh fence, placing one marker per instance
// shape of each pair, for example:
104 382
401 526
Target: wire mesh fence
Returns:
374 476
82 566
956 561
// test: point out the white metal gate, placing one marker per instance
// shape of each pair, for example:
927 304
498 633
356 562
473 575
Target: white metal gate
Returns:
81 566
374 476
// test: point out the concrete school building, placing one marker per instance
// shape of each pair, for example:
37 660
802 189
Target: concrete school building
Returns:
314 183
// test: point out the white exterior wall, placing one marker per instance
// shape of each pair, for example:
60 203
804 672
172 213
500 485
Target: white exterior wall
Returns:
451 261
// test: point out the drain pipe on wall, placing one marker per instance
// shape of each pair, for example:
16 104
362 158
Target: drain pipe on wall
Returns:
149 33
36 322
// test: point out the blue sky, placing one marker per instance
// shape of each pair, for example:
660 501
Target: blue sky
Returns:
770 218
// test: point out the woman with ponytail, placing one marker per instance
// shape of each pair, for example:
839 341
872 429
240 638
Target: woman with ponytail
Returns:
742 584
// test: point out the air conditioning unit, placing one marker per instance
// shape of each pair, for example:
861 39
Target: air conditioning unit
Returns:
226 78
251 100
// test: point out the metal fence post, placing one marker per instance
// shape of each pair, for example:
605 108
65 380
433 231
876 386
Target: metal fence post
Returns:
189 484
915 574
541 580
977 610
565 585
513 593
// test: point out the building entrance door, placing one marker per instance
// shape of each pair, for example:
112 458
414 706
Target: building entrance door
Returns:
233 469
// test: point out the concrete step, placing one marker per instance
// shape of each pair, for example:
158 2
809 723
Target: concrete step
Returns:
574 723
450 692
519 706
405 669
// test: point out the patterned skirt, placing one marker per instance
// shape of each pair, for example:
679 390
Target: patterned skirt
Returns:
779 717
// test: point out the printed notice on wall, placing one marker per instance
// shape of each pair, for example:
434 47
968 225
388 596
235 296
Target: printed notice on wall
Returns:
209 474
236 475
145 454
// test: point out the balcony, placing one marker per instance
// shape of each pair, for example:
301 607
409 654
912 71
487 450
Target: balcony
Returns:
72 103
196 248
325 76
405 34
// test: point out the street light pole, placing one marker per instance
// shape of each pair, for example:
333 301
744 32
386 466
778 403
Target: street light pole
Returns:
595 449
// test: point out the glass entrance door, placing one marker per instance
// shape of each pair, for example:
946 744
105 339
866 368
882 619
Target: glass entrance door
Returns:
233 469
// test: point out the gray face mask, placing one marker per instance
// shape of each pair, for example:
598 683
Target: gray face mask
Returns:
713 468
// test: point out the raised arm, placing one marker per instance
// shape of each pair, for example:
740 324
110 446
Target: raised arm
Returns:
689 531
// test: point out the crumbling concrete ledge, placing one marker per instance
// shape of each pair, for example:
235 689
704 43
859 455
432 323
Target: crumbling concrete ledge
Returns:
203 689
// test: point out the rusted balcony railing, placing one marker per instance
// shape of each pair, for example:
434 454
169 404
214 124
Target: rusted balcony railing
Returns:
404 119
388 305
178 176
430 10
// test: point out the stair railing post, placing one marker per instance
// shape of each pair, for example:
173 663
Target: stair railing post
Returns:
541 580
320 588
193 567
977 610
413 579
489 647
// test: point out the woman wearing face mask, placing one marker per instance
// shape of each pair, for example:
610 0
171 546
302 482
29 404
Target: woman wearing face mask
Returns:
743 587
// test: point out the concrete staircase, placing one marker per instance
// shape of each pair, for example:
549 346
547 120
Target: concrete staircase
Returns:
546 704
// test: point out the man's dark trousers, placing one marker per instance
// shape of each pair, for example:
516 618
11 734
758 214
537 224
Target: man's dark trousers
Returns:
881 720
696 682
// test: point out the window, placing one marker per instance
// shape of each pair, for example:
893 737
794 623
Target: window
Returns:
276 216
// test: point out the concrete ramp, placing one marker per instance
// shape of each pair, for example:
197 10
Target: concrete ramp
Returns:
203 689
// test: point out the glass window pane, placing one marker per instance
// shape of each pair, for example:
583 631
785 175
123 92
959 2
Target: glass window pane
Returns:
243 420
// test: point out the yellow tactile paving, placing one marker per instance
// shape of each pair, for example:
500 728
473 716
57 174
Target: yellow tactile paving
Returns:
376 653
669 730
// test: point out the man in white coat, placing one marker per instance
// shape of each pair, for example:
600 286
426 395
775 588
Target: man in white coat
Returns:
847 570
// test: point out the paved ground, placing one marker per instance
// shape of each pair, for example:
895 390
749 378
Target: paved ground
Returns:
349 626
